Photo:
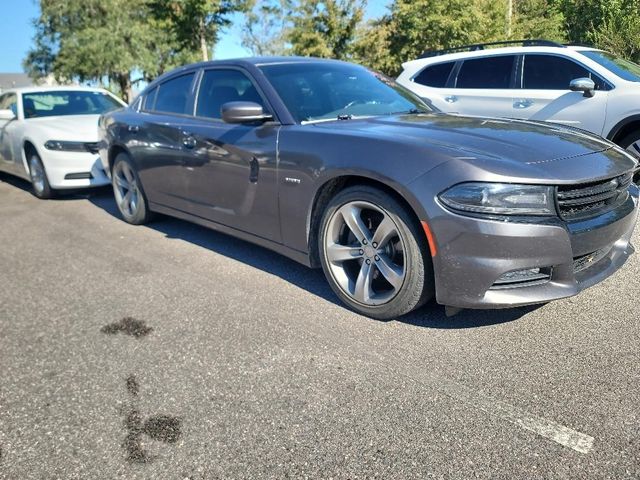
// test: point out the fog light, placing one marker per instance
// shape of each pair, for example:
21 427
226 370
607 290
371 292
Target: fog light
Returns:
527 276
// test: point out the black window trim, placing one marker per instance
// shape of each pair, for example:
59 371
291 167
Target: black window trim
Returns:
247 74
190 103
609 85
512 80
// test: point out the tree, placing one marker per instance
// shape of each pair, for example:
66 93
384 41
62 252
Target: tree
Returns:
324 28
608 24
413 26
197 23
537 19
265 29
89 40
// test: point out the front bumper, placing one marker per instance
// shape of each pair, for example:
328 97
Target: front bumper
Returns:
63 168
473 253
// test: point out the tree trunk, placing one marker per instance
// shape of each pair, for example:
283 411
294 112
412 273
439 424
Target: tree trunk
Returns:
124 82
203 41
508 19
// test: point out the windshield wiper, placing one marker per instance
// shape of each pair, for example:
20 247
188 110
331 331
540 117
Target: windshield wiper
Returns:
412 111
345 117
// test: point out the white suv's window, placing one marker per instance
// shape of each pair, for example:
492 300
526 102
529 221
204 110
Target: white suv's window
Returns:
551 72
488 72
622 68
435 75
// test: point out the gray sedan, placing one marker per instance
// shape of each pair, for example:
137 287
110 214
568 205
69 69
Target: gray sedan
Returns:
338 167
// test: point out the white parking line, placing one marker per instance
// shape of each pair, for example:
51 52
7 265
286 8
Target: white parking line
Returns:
565 436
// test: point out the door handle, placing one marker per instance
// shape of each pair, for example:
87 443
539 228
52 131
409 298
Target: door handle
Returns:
523 103
189 141
133 128
451 99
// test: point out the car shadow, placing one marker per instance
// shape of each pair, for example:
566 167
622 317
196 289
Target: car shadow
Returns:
61 195
311 280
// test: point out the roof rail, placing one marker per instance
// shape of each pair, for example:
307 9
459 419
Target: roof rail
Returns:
482 46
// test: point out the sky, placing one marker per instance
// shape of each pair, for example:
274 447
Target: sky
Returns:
16 35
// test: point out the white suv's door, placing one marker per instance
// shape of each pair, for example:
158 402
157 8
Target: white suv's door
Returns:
545 93
480 86
483 87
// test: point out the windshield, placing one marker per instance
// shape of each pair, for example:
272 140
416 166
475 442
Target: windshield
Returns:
316 91
623 68
72 102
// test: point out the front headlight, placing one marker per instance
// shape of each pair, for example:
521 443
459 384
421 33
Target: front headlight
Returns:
63 146
500 198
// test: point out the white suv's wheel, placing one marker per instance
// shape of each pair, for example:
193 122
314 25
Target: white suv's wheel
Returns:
631 143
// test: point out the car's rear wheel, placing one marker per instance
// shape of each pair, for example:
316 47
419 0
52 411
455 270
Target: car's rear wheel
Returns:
373 254
38 175
130 198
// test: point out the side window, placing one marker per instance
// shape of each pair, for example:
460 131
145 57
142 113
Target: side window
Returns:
9 101
550 72
173 95
149 100
487 72
222 86
435 75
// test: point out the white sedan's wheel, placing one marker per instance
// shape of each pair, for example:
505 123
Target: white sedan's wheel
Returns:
38 175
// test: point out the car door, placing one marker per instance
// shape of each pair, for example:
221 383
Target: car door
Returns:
231 170
155 137
481 87
545 93
8 101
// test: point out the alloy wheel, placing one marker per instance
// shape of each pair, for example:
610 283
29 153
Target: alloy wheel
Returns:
634 148
125 189
37 174
365 253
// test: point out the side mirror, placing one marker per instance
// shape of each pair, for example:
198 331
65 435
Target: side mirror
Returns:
585 85
7 115
244 112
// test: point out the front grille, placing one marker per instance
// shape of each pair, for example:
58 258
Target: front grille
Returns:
587 199
92 147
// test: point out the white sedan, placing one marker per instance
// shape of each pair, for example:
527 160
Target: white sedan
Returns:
49 136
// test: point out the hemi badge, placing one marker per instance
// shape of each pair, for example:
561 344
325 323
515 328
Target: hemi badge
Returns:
294 181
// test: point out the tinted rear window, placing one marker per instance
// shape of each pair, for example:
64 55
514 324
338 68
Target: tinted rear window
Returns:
435 75
489 72
173 95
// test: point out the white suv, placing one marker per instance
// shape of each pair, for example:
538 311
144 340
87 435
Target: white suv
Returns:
537 80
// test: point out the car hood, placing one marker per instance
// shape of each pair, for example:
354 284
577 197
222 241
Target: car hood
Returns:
81 128
504 147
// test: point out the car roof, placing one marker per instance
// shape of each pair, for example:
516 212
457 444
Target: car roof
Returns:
58 88
498 51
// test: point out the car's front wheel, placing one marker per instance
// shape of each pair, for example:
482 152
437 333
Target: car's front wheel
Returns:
373 254
39 180
130 198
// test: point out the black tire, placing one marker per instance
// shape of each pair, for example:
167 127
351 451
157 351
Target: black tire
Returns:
409 246
125 180
38 175
628 140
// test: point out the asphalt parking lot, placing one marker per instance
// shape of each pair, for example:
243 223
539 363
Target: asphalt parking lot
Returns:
171 351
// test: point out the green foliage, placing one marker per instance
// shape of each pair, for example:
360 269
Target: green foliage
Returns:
98 40
540 19
196 24
612 25
324 29
266 25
